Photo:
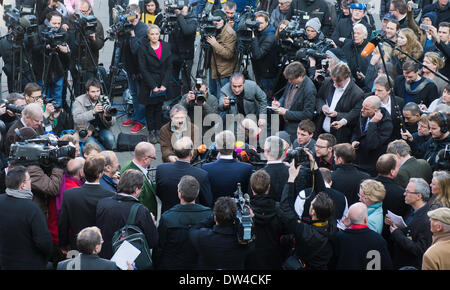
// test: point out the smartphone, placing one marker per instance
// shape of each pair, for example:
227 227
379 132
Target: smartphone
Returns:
414 5
423 27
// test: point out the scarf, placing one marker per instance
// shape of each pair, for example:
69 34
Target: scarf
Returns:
20 193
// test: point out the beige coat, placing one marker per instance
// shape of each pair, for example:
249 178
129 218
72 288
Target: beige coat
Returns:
437 257
225 53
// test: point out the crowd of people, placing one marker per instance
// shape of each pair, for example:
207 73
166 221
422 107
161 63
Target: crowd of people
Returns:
341 156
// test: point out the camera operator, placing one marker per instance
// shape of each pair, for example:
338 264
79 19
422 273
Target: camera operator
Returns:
83 66
200 97
264 54
51 58
18 102
89 108
130 46
311 6
33 93
53 5
241 96
56 119
232 16
215 241
181 40
223 56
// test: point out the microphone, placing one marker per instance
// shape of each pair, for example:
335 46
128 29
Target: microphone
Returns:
370 47
202 149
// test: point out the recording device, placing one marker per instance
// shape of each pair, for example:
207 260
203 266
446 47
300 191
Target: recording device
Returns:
323 72
86 24
53 38
414 6
121 24
21 21
371 46
245 232
443 159
207 27
107 107
45 150
423 27
13 108
299 155
247 24
48 100
200 97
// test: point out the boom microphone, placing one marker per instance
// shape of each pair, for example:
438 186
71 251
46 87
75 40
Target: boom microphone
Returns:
370 47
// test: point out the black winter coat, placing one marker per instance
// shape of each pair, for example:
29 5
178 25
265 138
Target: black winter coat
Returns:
348 107
112 214
155 72
267 254
279 174
182 38
346 179
175 250
131 46
264 54
344 28
373 141
25 241
356 62
422 95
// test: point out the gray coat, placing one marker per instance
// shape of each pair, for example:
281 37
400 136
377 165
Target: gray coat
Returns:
83 112
255 100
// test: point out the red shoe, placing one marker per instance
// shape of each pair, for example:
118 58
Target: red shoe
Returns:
128 123
137 128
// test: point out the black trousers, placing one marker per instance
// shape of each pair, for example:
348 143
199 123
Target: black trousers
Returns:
153 116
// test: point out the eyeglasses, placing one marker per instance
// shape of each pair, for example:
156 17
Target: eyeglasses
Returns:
151 157
321 147
413 192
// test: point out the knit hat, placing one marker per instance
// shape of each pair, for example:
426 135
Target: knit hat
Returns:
441 214
314 23
388 16
336 54
433 17
219 12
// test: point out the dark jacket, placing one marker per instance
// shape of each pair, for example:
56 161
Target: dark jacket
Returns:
413 168
394 199
63 122
225 174
169 174
155 72
312 240
353 247
346 179
25 241
279 174
264 54
131 46
396 121
434 146
344 28
410 243
348 107
78 211
356 62
87 262
267 254
217 247
302 106
425 93
442 13
175 250
112 214
313 6
373 141
182 38
108 183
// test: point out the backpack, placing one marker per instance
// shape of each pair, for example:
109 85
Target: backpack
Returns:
134 235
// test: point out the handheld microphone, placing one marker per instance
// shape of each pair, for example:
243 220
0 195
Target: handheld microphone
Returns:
370 47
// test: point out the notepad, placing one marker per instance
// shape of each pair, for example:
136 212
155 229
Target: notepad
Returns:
126 252
398 220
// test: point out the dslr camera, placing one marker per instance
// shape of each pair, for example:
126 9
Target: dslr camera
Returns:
13 108
298 155
107 107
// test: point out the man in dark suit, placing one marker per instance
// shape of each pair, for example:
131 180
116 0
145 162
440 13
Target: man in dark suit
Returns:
391 103
277 170
372 134
297 102
89 244
168 176
80 203
347 177
225 173
410 166
338 103
411 242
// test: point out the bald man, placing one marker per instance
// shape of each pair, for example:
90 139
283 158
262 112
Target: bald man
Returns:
144 154
371 134
168 175
358 247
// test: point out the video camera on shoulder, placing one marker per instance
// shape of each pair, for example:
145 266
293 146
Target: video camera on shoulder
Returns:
53 37
121 24
207 27
86 24
21 21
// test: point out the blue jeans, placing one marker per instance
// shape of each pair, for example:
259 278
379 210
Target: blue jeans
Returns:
138 109
267 86
215 87
106 139
54 90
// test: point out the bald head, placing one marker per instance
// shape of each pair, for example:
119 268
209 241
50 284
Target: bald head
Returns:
144 154
373 101
183 148
357 213
75 167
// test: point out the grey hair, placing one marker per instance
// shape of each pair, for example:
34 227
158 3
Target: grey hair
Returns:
422 187
362 27
275 147
176 109
399 147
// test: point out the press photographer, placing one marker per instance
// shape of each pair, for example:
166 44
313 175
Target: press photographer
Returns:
264 54
51 57
87 39
95 110
52 6
181 40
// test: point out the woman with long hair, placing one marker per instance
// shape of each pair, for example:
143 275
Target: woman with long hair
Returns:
433 61
150 12
155 65
440 190
408 42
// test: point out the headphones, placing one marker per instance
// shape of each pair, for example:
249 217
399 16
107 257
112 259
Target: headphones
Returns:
444 129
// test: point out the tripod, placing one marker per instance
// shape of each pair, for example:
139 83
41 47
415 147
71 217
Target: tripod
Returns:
18 77
243 59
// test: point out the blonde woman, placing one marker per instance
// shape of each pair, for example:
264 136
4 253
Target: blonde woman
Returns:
440 190
372 193
408 42
433 61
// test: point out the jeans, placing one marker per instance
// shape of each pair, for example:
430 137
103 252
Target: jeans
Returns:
106 139
138 109
215 87
267 85
54 91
